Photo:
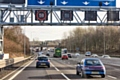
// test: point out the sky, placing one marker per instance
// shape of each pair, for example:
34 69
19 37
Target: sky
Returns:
42 33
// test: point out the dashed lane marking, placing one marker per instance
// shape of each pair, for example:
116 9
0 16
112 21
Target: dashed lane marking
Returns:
55 67
65 76
61 73
112 77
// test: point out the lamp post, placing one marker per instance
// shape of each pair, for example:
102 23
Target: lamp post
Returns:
104 40
24 43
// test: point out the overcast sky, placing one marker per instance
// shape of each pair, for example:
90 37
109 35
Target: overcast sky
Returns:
43 33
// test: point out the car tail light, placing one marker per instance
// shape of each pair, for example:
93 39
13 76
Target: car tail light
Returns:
48 60
36 60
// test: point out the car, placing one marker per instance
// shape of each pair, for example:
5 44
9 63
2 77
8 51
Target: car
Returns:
88 53
77 54
64 56
40 53
42 61
48 54
90 66
94 55
69 55
106 56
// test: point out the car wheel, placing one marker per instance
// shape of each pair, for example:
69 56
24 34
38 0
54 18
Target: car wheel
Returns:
36 66
103 76
77 73
82 74
48 66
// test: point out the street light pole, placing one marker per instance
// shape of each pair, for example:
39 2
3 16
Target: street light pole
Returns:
104 40
24 44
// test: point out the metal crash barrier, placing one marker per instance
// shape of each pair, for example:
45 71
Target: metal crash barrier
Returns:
8 62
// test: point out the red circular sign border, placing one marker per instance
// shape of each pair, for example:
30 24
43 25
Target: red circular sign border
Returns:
41 19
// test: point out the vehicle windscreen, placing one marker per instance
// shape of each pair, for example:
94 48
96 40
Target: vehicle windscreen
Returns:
43 58
92 63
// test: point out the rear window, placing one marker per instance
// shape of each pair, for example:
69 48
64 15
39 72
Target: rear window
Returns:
93 63
69 54
42 58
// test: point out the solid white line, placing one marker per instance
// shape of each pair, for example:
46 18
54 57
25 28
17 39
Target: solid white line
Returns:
19 71
55 67
112 77
13 71
65 76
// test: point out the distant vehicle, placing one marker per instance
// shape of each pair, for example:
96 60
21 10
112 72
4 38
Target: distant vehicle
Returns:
64 50
40 53
88 53
90 66
77 54
64 56
37 50
48 54
106 56
57 52
42 61
69 55
94 55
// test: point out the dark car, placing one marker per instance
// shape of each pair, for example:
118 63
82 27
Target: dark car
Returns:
69 55
64 56
42 61
90 66
47 54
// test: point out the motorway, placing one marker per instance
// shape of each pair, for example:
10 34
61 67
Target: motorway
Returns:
59 70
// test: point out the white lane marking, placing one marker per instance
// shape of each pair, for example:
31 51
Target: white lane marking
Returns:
61 73
65 76
13 71
55 67
112 77
19 71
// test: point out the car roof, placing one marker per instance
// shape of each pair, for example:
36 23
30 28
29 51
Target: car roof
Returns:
68 53
91 59
42 56
105 55
64 54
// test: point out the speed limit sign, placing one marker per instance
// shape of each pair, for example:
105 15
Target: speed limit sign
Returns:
41 15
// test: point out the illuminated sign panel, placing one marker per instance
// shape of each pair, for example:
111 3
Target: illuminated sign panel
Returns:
112 15
41 15
67 15
90 15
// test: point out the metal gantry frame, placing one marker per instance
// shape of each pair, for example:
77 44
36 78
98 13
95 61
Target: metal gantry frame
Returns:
26 16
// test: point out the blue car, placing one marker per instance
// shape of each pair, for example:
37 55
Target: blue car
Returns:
42 61
90 66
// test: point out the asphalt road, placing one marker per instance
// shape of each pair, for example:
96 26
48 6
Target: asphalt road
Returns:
59 70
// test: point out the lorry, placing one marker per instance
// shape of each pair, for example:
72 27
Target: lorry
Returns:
57 52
